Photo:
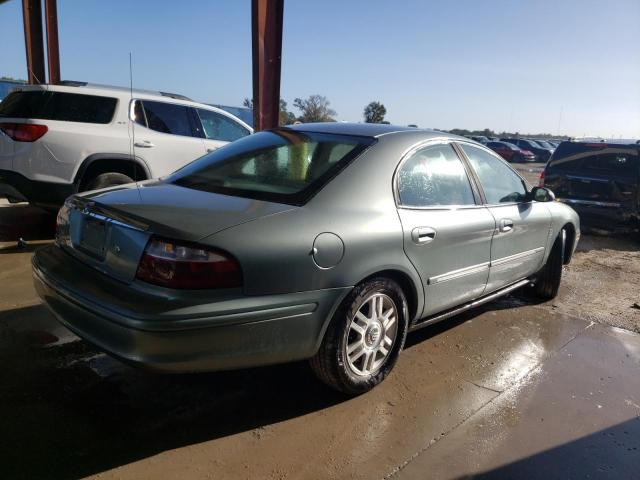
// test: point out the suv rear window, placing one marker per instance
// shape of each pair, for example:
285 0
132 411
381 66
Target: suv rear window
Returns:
283 166
596 159
67 107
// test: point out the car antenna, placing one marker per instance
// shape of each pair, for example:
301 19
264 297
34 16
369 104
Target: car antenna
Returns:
133 128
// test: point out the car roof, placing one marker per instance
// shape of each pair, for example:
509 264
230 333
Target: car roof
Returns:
604 141
86 88
362 129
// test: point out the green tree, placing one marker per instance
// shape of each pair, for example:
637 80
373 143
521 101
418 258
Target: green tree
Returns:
315 108
286 117
374 112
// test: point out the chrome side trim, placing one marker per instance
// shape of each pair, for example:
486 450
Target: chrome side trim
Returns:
458 273
589 202
517 256
476 303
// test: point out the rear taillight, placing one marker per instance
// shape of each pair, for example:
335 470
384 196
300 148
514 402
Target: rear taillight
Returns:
541 179
187 266
23 132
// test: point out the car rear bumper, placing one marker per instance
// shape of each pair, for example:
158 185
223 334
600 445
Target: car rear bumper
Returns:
610 216
46 194
246 332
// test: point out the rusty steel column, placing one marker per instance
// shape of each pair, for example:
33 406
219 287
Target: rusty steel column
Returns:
266 27
32 16
53 52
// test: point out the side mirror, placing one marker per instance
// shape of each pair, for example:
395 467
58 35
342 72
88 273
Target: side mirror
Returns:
541 194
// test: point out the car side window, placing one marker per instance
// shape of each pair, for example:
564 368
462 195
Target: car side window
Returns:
434 176
499 182
167 118
220 127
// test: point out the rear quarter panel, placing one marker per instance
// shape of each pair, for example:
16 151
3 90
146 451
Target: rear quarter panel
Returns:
276 252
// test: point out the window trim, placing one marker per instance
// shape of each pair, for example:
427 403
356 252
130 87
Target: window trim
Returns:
426 144
527 187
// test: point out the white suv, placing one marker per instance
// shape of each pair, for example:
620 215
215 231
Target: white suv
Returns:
56 140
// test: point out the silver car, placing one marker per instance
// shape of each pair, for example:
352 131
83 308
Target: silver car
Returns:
326 242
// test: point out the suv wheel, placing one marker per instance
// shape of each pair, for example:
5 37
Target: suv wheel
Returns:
364 338
109 179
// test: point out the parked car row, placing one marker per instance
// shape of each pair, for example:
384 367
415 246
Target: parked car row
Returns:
56 140
511 152
527 150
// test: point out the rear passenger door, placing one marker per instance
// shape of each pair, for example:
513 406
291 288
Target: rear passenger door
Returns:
522 226
219 129
447 233
165 136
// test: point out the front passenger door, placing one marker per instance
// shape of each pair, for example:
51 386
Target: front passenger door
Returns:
522 225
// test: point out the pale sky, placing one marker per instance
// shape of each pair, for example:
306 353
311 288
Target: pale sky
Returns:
563 66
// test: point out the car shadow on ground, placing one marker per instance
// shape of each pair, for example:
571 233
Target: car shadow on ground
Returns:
607 453
26 222
71 411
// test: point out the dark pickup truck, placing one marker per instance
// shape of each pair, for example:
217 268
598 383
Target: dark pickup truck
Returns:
600 180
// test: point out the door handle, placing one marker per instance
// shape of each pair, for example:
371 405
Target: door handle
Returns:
144 144
423 235
209 150
506 225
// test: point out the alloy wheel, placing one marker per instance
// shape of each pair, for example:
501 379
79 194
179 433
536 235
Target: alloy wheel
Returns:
371 335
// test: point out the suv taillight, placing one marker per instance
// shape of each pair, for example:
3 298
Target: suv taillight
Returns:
187 266
23 132
541 179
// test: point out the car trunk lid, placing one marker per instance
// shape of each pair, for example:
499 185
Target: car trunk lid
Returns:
109 230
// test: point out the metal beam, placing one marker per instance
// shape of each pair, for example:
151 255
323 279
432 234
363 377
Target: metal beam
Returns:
32 16
266 26
53 52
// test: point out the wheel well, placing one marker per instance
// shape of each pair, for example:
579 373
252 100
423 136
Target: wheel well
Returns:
407 286
571 236
106 165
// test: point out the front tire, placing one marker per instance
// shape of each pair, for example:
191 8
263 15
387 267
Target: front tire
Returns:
364 338
548 282
109 179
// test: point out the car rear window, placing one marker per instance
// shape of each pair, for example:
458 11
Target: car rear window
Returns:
596 159
283 166
63 106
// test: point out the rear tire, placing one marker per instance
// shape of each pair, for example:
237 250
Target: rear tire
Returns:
364 338
548 282
105 180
